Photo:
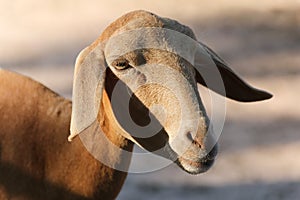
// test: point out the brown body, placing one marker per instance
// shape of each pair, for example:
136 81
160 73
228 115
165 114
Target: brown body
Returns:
37 161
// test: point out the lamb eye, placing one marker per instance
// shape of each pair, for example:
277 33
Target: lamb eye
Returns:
121 64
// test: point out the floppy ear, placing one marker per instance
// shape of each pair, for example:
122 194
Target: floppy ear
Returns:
235 88
88 84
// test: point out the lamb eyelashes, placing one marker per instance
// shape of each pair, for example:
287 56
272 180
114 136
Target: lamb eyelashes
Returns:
121 64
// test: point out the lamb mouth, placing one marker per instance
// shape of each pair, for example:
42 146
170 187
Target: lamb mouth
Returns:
195 167
199 166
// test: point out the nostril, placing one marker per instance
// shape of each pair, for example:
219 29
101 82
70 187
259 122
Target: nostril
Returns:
193 140
189 136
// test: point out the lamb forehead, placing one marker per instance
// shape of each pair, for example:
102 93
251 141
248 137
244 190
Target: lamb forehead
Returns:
141 29
140 19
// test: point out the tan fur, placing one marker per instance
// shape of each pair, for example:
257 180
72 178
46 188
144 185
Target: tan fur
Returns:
37 161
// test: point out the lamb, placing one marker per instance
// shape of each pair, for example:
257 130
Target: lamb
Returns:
37 161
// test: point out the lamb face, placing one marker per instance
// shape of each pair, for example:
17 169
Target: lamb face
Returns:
149 66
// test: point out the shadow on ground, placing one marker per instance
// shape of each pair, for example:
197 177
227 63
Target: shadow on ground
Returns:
258 191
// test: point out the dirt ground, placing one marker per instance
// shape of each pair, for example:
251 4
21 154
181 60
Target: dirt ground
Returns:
260 143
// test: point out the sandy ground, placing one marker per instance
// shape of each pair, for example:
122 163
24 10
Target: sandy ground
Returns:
260 142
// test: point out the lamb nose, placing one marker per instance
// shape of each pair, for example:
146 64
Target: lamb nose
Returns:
189 136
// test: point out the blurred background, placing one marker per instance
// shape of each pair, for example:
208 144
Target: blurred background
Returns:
260 145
